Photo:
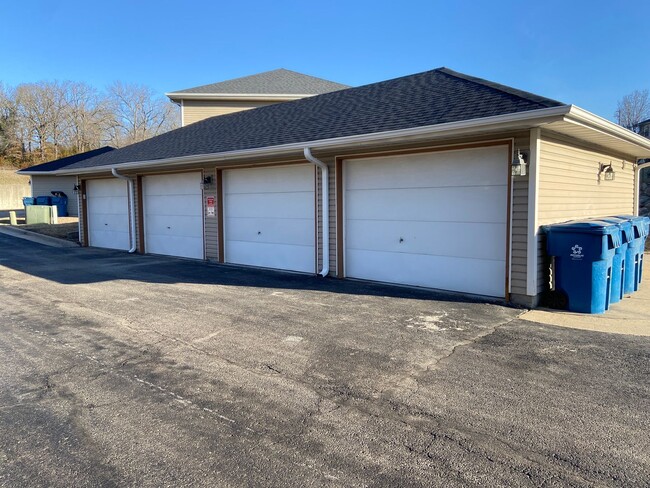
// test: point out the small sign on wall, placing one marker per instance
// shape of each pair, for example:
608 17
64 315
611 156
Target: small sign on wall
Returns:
209 205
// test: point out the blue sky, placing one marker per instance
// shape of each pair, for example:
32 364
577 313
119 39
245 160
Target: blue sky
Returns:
589 53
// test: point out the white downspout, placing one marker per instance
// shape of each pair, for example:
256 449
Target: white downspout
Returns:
326 210
637 185
131 206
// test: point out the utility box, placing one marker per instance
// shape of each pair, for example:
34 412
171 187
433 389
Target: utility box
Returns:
583 252
41 214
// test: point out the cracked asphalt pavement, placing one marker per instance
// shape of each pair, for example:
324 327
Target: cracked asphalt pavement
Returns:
126 370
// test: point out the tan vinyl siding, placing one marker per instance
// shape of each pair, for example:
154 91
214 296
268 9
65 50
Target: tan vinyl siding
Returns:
331 165
569 187
45 185
210 224
196 110
519 224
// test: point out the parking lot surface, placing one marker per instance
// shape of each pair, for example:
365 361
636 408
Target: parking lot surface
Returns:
127 370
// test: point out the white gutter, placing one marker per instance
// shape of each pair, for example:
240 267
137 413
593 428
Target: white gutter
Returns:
325 209
637 185
498 122
131 206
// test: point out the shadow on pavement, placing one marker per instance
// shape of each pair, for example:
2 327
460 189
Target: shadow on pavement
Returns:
91 265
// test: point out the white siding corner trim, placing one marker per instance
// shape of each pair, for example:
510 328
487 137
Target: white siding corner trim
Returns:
533 227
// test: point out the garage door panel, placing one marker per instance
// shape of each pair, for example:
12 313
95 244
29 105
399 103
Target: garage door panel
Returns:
173 214
109 239
445 204
179 205
174 245
172 184
480 277
178 225
477 241
292 205
430 169
284 256
271 230
107 205
106 188
109 222
267 180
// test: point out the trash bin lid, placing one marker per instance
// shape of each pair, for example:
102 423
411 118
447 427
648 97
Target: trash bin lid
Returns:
585 227
624 223
641 223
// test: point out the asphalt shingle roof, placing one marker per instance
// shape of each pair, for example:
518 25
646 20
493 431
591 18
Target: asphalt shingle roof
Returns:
430 98
276 82
63 162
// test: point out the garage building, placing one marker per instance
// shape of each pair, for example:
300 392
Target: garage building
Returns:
413 181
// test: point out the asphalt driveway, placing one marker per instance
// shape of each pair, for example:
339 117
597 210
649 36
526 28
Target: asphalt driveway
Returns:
133 370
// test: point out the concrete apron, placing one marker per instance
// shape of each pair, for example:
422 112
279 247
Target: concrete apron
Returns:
629 316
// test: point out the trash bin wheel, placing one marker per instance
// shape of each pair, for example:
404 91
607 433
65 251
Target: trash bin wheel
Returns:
556 299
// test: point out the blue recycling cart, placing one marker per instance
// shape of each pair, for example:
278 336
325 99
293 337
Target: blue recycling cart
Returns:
634 255
619 268
583 252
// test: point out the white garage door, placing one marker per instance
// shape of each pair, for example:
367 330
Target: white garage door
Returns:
108 213
173 215
436 220
269 217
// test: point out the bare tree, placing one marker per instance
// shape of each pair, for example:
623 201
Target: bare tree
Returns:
51 119
633 108
88 117
41 108
138 113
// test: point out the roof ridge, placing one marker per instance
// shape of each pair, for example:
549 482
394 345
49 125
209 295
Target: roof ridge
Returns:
526 95
295 74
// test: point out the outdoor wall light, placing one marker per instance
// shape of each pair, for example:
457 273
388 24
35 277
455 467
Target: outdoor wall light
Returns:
207 181
519 164
606 172
76 189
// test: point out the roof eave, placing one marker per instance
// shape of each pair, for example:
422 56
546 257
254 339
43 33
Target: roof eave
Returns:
622 138
273 97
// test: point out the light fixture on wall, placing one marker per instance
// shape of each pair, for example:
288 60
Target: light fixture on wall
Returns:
606 172
76 189
519 164
207 181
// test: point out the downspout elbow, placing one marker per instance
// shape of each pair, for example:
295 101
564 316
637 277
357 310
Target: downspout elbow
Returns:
325 206
131 207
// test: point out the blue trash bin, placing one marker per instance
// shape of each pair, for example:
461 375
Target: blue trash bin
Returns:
619 268
43 200
634 256
28 201
583 252
60 199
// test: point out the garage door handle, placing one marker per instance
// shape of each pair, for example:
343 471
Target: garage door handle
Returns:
105 224
259 233
168 227
401 239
